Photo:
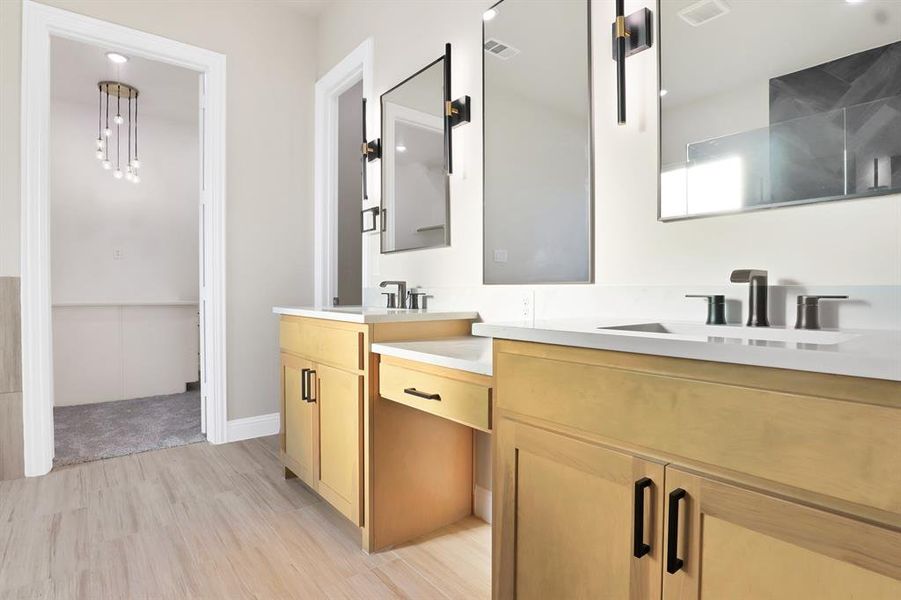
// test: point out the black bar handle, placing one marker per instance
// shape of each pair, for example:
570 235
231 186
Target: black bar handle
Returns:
673 562
418 394
310 374
639 548
304 392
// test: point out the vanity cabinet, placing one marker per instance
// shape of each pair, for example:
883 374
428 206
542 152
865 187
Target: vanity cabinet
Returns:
764 483
739 543
579 520
329 401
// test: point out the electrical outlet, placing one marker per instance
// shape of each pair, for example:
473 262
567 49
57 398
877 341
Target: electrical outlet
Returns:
528 307
117 254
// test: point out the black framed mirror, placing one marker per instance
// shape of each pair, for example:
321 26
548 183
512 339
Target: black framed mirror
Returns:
415 207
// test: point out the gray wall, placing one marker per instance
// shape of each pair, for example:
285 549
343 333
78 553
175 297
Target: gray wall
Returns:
350 203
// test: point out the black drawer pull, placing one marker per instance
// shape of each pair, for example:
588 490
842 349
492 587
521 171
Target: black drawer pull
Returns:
418 394
310 374
304 389
673 562
639 548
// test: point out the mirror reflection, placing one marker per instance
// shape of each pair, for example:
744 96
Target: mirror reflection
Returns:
414 182
537 145
774 103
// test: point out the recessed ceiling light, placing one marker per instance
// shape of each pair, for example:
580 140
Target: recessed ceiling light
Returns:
663 93
400 148
117 58
489 14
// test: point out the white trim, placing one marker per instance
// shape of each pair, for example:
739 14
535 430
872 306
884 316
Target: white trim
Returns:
355 66
39 22
253 427
481 503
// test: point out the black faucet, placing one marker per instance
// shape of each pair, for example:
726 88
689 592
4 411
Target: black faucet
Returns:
757 295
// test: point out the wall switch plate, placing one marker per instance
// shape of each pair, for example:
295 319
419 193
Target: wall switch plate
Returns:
528 307
500 256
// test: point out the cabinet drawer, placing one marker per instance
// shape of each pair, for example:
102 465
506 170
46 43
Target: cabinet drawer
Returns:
460 401
337 346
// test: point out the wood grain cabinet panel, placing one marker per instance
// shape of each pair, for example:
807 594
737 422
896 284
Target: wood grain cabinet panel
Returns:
301 427
565 518
325 342
339 395
461 401
738 543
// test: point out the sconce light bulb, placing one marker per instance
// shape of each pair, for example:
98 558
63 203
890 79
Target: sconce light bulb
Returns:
489 14
117 174
118 120
107 132
663 93
400 148
107 165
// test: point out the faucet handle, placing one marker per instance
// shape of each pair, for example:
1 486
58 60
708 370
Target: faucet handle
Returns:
808 315
413 299
716 307
391 300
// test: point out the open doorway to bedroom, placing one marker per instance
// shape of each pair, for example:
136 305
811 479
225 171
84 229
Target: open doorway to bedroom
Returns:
124 189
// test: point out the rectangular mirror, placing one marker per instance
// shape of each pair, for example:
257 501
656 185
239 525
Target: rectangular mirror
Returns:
773 103
538 200
415 208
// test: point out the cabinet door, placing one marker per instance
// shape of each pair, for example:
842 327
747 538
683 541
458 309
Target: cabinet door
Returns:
567 515
300 431
737 543
339 395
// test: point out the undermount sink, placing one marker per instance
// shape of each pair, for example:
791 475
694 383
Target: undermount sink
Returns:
763 334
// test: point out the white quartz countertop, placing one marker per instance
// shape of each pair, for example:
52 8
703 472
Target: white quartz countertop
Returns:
860 353
468 353
364 314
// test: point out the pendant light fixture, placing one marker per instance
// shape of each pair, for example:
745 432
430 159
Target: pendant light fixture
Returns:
129 121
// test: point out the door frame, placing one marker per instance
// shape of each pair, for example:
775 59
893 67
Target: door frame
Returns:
355 67
39 23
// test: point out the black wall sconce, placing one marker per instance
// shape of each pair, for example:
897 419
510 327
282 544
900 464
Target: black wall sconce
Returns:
456 112
370 152
631 35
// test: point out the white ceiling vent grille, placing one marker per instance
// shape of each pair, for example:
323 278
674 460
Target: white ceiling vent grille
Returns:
703 11
500 49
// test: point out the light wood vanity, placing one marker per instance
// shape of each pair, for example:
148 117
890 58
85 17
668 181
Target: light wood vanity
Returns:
395 468
621 475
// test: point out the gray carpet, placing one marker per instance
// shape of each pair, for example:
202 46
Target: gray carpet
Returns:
95 431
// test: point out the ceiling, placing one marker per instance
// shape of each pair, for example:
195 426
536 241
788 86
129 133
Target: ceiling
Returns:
761 39
308 8
166 91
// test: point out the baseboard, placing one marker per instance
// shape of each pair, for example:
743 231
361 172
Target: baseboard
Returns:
481 503
253 427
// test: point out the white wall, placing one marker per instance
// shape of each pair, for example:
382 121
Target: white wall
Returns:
834 244
116 243
269 137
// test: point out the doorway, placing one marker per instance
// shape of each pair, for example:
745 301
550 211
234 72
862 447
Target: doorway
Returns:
41 23
341 253
124 250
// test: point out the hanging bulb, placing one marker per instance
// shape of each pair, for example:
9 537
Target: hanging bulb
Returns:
117 174
118 120
136 179
107 165
99 155
136 163
129 176
107 132
99 143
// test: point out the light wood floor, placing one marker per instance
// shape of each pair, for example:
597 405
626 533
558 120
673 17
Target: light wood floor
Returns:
216 522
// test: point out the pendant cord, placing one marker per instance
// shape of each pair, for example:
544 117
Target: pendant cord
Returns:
99 112
129 129
136 126
106 143
118 135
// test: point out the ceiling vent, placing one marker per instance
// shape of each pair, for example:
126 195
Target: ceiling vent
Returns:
703 12
500 49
